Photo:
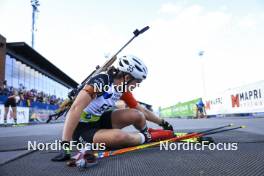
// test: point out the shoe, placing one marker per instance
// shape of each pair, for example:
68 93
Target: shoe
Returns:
161 135
147 136
150 130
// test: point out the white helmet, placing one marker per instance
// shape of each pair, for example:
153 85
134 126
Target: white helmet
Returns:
134 66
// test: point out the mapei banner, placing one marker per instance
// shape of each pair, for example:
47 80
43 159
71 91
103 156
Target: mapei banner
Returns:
215 104
22 115
244 99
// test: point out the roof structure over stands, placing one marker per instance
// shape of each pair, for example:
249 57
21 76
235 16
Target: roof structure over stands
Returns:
24 53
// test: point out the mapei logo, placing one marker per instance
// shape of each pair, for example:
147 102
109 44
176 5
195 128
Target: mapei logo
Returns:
214 102
235 100
246 96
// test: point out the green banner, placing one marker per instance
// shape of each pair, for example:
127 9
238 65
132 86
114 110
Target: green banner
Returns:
186 109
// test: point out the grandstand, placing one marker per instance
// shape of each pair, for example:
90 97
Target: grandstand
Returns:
42 84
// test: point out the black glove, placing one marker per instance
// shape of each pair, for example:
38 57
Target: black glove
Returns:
165 125
64 154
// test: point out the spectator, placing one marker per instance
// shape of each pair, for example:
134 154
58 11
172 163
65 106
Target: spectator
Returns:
12 101
30 96
200 109
4 89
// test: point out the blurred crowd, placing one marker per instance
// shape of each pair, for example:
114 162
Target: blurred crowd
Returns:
29 96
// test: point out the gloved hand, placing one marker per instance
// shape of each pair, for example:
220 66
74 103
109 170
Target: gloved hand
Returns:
65 153
165 125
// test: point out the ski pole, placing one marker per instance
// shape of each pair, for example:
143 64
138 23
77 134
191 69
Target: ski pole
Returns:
220 131
218 128
175 139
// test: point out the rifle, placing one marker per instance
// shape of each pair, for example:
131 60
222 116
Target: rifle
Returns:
65 106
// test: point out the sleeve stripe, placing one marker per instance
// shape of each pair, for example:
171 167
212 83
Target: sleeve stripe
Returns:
129 99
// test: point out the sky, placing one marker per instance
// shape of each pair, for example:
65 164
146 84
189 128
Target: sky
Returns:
77 35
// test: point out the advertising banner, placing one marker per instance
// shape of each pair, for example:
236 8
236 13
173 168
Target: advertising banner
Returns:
39 115
240 100
22 115
166 112
244 99
186 109
216 104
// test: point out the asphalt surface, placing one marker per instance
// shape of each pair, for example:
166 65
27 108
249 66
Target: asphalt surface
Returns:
248 159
